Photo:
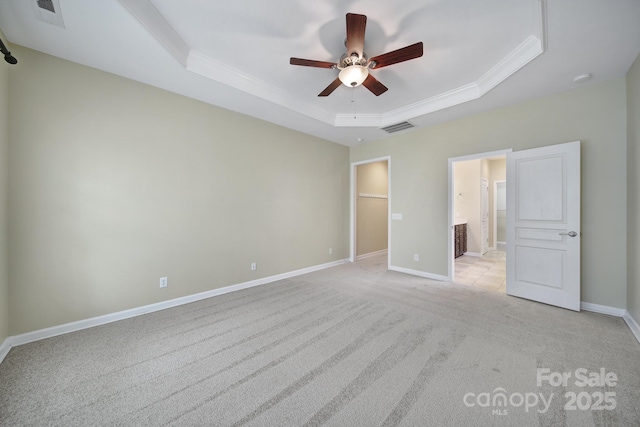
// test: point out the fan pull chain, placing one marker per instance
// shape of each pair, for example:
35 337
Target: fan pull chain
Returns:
354 105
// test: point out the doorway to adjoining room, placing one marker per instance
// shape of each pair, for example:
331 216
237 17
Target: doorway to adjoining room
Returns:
479 210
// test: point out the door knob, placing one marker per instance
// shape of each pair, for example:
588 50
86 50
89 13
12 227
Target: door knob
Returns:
570 234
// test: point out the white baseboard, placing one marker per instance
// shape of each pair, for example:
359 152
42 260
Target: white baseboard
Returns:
4 349
419 273
476 254
633 324
16 340
372 254
126 314
602 309
612 311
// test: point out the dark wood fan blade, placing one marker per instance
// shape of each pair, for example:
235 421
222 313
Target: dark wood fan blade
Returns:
311 63
404 54
374 85
333 86
356 27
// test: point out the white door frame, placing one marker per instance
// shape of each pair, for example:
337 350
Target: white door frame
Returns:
495 211
451 214
352 207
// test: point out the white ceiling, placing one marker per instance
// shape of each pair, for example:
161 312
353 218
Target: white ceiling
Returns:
478 54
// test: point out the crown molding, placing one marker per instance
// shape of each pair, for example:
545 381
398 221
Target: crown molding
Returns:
526 52
151 18
429 105
204 65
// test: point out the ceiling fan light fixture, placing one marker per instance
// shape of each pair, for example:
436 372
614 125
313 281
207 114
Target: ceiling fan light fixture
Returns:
353 75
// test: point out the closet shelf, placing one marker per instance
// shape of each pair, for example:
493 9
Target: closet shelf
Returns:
373 196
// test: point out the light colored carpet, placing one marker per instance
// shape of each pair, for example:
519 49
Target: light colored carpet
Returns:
354 345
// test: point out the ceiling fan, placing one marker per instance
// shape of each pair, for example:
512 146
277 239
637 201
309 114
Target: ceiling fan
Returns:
354 65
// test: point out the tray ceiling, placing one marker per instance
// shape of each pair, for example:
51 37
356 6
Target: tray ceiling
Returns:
477 54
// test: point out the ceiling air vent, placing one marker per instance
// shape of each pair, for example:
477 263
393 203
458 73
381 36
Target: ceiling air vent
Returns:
48 11
398 127
47 5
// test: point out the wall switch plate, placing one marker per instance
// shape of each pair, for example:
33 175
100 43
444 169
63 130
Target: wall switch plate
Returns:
396 216
416 257
254 267
330 251
164 282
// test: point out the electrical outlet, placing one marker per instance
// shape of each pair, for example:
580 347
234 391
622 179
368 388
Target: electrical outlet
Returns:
164 282
254 267
416 257
330 251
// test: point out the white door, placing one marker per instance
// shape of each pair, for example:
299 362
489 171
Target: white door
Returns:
543 225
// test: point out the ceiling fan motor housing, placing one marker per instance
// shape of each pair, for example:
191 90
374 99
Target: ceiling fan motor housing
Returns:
353 59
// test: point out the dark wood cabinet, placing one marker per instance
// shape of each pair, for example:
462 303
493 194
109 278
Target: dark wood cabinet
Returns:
460 239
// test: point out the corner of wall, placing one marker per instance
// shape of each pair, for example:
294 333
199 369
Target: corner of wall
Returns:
633 191
4 164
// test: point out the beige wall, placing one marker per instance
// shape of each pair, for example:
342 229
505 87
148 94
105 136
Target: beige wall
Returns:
4 165
467 202
633 190
372 213
114 184
594 114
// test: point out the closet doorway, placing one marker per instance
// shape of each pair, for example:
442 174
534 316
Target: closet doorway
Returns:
370 204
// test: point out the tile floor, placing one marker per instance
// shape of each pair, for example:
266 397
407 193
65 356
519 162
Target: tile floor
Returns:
488 271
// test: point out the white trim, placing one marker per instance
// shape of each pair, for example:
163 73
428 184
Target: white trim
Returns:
541 25
4 349
633 324
617 312
371 254
419 273
151 18
602 309
451 219
475 254
206 66
126 314
532 46
525 52
12 341
529 49
352 206
485 155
